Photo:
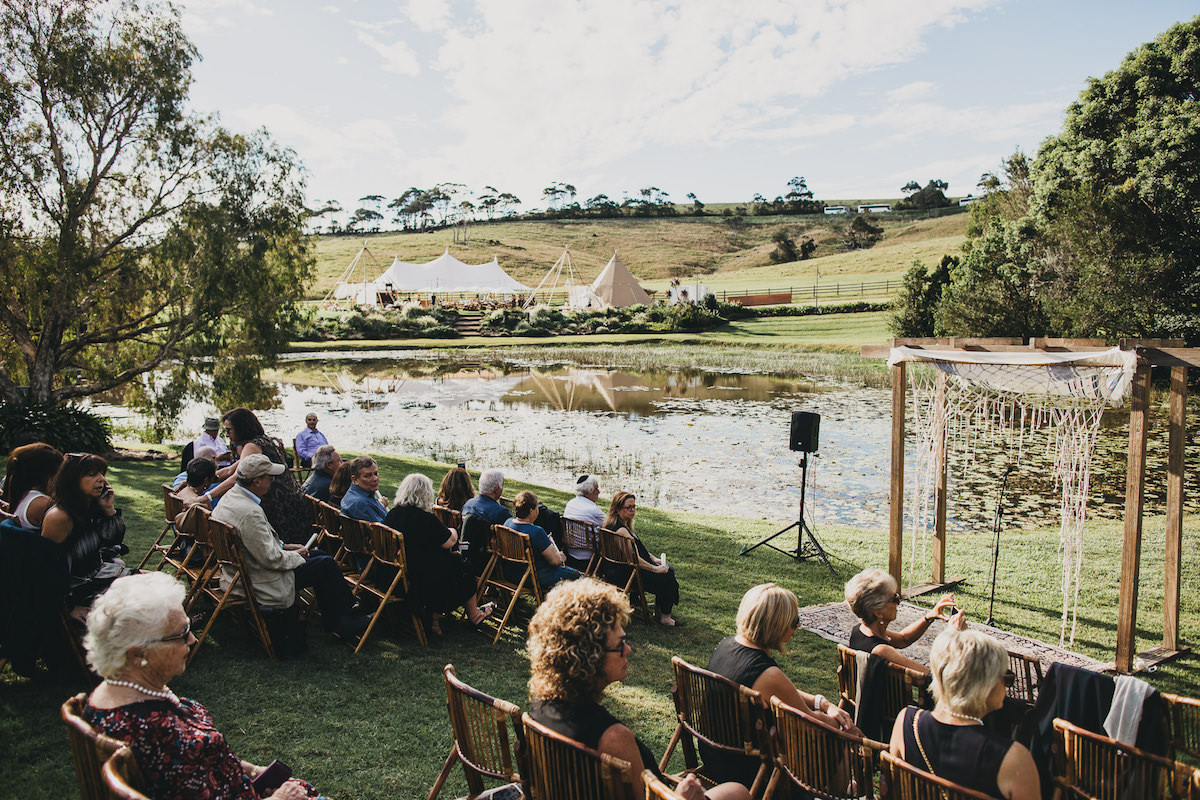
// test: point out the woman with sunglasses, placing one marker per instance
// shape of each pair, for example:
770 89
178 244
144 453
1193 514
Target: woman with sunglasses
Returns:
874 598
138 638
577 647
970 674
658 577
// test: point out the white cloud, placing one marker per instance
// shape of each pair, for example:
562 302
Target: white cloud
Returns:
909 121
397 56
204 16
910 92
429 15
331 9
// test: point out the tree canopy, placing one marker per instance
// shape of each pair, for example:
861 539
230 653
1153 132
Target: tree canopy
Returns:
135 235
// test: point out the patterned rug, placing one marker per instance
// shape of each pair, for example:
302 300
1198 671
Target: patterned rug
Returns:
833 621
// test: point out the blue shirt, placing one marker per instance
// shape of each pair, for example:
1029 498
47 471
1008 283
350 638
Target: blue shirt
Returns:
317 484
308 441
487 507
360 505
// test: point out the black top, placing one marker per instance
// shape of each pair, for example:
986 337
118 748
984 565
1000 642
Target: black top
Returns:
437 574
863 642
966 754
585 723
744 665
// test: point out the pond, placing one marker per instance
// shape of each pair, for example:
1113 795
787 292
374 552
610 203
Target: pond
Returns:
713 440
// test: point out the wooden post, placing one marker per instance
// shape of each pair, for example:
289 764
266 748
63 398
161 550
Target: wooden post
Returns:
1175 445
1131 551
896 526
939 466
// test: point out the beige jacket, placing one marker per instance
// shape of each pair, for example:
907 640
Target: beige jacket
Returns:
270 566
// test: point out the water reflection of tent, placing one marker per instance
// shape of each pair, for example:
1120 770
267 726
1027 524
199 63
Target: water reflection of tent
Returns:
591 390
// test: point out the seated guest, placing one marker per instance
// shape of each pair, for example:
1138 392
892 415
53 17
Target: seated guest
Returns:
211 437
27 479
874 598
86 522
339 484
325 462
486 504
308 440
970 670
577 647
278 569
658 577
201 475
200 452
548 559
439 577
138 637
583 507
767 619
456 489
361 500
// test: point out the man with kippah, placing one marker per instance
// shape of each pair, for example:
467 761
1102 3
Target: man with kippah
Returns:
277 569
583 507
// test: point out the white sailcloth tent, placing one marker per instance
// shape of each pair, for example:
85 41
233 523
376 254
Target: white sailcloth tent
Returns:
447 274
616 287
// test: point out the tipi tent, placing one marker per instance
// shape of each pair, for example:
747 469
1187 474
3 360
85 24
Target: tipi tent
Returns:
617 288
447 274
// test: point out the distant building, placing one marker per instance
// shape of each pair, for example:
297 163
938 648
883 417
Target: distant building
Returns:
835 209
966 201
875 208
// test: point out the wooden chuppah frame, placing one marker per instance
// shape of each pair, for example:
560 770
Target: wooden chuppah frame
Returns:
1150 353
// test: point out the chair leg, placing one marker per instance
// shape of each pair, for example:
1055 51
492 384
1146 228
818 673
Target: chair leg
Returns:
445 773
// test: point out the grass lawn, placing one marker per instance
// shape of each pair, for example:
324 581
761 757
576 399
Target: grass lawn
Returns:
374 725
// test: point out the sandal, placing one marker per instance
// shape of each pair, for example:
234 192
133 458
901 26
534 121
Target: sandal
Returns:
485 611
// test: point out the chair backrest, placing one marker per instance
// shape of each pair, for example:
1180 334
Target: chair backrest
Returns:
822 760
847 673
189 452
1088 765
172 505
902 687
1185 723
656 789
512 545
89 750
910 783
616 548
554 767
720 712
168 492
355 537
448 517
480 723
387 545
1028 672
579 534
122 776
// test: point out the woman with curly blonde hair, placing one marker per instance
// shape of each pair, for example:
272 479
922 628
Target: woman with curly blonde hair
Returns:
577 647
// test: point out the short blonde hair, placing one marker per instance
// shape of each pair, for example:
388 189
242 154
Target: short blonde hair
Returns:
568 638
415 490
131 613
766 615
965 666
869 591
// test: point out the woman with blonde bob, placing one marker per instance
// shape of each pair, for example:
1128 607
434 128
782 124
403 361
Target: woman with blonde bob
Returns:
138 638
874 598
970 673
577 647
767 619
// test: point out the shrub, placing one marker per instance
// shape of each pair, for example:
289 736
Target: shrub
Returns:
68 428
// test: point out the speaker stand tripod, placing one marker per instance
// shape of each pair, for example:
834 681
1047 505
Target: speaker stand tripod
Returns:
804 550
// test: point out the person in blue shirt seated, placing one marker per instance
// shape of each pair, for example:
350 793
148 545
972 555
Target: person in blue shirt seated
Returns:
308 440
362 499
548 559
206 453
324 462
201 476
486 504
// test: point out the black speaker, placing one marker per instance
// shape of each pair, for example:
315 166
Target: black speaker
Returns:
805 429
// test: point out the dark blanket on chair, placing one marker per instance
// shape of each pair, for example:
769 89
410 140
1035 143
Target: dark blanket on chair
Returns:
33 585
869 708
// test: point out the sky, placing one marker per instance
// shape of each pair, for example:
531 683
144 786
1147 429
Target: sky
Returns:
718 98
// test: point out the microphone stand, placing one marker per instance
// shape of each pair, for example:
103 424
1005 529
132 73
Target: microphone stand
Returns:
996 542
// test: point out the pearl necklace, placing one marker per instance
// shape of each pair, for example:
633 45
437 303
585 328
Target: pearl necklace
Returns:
165 694
968 717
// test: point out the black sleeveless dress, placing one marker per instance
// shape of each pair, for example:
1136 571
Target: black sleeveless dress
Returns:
966 754
863 642
585 723
744 665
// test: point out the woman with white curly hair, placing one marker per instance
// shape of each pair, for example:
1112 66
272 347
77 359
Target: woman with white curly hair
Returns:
138 638
970 673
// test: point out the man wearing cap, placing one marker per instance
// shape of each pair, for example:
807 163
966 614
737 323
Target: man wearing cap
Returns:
308 440
583 507
278 569
211 437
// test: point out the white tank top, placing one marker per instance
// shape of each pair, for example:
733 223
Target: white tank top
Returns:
23 509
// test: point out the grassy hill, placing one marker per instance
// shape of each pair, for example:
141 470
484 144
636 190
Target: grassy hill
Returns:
708 250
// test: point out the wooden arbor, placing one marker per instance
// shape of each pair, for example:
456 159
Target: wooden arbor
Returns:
1150 353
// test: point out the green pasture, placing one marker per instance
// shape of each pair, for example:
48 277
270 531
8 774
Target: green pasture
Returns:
374 725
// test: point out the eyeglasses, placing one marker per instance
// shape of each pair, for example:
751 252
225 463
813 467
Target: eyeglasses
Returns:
895 598
620 648
187 631
74 456
1009 677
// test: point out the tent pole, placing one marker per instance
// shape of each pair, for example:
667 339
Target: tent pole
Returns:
896 521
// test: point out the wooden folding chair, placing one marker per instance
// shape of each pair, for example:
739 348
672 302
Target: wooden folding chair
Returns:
723 714
1184 716
122 776
300 472
1094 767
386 576
356 550
172 506
1028 672
89 750
229 562
512 550
657 789
200 562
618 565
903 687
909 783
331 535
554 767
481 744
579 534
449 517
820 759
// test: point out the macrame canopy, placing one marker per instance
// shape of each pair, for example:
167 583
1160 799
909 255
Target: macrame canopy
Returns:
1048 393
